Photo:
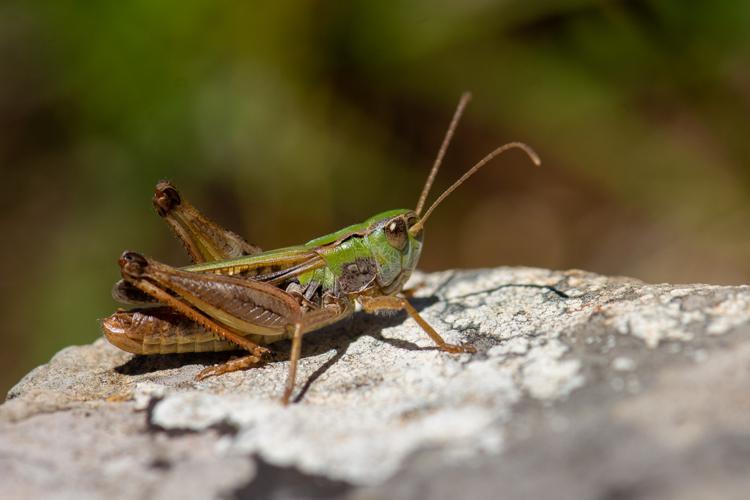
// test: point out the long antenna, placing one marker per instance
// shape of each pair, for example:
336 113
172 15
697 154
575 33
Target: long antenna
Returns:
498 151
465 98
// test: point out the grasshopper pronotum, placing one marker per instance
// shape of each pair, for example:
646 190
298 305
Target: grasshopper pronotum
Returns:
235 295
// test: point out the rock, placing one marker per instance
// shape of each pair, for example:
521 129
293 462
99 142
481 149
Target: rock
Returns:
583 386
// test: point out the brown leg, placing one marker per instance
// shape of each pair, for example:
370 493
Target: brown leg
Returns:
388 302
203 239
232 365
259 354
293 361
206 322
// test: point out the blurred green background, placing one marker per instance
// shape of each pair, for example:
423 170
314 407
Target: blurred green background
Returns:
288 120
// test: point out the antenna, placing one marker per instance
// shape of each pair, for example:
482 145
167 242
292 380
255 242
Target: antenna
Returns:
496 152
465 98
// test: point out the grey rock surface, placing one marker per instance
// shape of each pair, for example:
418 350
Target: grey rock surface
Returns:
583 386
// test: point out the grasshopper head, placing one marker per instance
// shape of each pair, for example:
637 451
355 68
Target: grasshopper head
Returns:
395 249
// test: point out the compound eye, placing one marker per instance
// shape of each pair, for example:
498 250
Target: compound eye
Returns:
396 233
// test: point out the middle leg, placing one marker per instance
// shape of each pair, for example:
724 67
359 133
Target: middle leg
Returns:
293 362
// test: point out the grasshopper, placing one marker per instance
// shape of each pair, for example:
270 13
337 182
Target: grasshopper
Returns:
237 296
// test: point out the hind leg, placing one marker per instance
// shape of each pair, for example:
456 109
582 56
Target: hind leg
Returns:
204 240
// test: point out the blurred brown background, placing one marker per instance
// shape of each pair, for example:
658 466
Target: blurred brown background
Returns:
288 121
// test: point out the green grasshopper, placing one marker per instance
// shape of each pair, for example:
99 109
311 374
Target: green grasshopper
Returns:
235 295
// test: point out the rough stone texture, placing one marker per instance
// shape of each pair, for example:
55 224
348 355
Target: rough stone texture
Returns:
584 386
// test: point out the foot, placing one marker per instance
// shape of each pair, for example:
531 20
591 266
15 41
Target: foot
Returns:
457 349
232 365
